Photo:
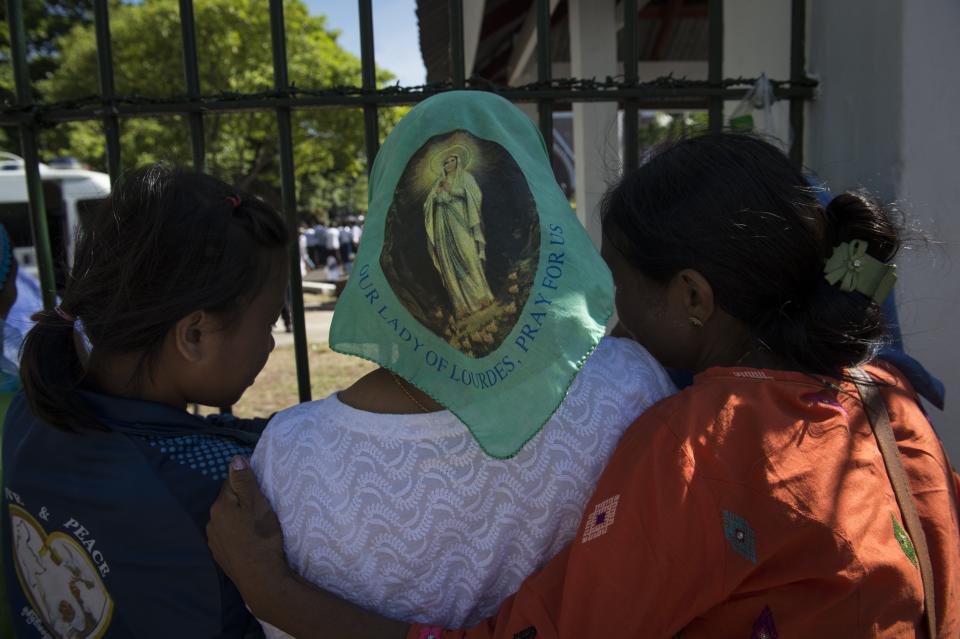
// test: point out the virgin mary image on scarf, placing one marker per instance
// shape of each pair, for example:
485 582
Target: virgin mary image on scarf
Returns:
455 234
462 240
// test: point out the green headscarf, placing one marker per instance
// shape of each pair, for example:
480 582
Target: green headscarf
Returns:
474 280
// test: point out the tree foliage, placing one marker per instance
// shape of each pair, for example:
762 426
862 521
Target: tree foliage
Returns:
235 56
45 22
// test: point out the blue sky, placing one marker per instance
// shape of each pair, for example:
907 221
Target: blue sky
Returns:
396 40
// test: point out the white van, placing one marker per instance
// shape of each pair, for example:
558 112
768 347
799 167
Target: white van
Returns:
67 194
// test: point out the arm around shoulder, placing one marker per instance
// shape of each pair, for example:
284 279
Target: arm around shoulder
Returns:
644 562
245 539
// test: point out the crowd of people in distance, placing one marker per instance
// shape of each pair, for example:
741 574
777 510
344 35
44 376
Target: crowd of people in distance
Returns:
330 247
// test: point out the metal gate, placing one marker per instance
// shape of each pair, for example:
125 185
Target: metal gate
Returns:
629 92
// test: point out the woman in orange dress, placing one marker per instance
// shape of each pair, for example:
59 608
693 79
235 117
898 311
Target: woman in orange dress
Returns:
755 503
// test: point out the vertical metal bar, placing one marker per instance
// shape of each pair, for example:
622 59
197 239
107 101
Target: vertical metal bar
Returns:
31 158
371 129
111 124
456 43
715 63
798 62
545 73
191 73
631 107
289 197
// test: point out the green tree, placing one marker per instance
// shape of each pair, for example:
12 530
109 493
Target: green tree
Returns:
45 22
235 56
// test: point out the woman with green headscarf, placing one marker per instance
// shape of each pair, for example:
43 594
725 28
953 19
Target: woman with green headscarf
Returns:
455 235
449 487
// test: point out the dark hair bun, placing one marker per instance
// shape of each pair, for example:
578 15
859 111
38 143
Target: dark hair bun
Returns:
857 216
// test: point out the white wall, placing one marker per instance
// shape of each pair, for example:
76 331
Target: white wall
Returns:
886 120
929 187
853 128
596 146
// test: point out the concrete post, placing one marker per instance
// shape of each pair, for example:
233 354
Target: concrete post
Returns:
596 146
757 40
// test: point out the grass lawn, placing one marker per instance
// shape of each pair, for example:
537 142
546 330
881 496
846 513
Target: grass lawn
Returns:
276 386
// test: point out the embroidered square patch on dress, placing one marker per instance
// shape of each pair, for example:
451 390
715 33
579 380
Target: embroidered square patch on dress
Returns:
600 520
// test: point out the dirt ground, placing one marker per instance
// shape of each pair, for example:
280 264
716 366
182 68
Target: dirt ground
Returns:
276 386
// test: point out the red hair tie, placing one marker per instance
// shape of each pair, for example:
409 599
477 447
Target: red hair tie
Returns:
234 200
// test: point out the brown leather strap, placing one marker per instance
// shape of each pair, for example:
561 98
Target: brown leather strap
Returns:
876 411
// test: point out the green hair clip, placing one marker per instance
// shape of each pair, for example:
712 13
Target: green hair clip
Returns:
853 270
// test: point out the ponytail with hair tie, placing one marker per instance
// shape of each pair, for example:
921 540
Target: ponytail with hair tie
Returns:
78 328
159 248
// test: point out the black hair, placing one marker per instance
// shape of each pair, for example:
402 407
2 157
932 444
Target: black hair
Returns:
165 243
735 209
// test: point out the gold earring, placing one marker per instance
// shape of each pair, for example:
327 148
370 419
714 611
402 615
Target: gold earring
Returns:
695 321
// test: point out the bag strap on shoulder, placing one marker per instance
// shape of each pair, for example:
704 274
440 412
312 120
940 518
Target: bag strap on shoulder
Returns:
879 418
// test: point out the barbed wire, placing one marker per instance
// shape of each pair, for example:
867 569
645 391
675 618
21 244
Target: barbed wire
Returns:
610 84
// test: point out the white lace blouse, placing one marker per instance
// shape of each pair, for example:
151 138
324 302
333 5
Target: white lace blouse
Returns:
407 516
